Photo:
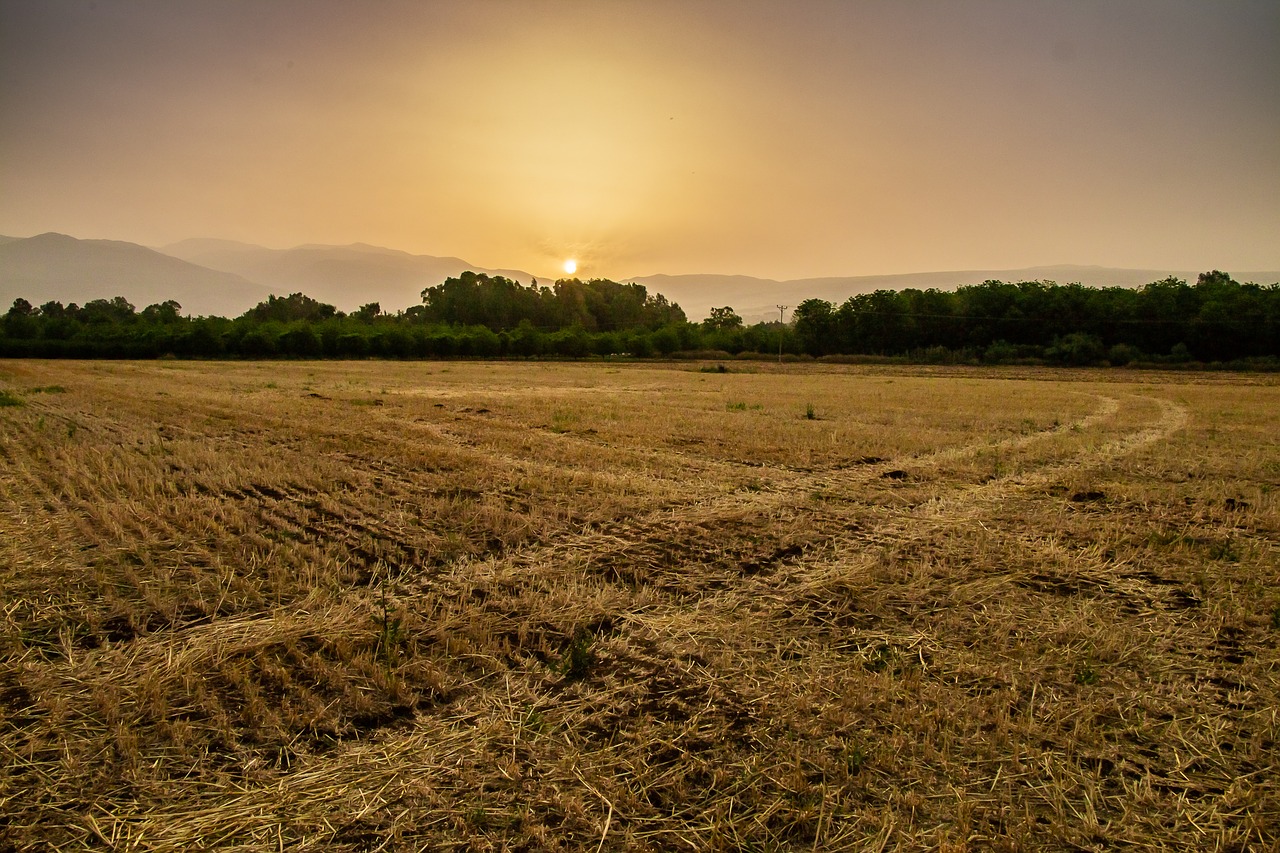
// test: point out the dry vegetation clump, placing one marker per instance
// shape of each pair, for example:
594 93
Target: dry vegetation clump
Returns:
492 606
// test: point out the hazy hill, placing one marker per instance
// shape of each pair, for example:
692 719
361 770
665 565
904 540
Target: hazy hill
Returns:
345 276
57 267
227 278
757 299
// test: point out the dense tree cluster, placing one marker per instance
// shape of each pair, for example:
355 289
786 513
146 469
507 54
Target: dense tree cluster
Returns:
498 303
1216 319
474 315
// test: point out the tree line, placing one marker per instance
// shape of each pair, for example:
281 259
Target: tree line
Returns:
1215 320
475 315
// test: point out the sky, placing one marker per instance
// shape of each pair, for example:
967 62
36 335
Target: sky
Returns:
776 139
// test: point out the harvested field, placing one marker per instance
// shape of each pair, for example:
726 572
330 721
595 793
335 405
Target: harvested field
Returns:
390 606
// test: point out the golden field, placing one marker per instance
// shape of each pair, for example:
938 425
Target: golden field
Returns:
483 606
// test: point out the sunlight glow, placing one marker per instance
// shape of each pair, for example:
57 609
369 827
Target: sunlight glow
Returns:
571 266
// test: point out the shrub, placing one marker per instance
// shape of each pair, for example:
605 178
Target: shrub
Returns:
1122 354
1076 349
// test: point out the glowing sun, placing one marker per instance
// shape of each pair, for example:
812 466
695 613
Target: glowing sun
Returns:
571 266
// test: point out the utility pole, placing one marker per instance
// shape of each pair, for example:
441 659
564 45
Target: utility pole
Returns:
781 331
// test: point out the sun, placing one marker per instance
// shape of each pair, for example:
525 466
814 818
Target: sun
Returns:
571 266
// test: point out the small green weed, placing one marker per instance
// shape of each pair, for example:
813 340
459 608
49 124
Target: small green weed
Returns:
47 389
855 759
1086 675
534 723
1225 551
736 407
809 413
563 420
8 398
883 657
389 633
575 663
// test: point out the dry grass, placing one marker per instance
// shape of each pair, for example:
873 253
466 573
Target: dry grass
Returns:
489 606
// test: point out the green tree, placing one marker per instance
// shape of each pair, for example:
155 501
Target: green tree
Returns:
367 313
108 311
721 319
162 312
20 322
815 327
290 309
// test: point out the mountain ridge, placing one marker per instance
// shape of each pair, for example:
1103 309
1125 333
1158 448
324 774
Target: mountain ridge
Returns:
228 277
53 266
346 276
757 299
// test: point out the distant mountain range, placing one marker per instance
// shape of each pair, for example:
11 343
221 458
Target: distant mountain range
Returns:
757 299
227 278
345 276
55 266
219 277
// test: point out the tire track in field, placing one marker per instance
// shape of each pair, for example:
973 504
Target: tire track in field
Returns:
683 558
658 548
384 757
709 542
652 633
967 505
793 595
687 463
395 458
669 523
600 467
1173 416
733 515
807 586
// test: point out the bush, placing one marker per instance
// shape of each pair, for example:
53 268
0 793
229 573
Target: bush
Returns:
1076 349
352 345
257 343
1123 354
1000 352
570 342
665 341
301 340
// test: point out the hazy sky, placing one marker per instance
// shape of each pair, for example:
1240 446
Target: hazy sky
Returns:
778 139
